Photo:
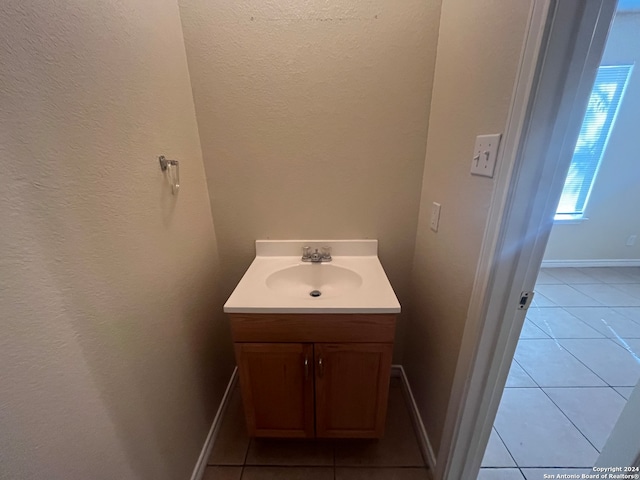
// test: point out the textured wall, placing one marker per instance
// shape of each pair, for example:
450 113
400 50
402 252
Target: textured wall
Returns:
313 120
112 356
478 55
613 206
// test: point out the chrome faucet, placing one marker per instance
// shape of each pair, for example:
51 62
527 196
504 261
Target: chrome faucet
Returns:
316 257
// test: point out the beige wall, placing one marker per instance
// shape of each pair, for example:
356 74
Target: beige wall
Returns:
113 357
313 120
613 207
478 54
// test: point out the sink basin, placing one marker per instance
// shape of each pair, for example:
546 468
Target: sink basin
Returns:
315 280
278 282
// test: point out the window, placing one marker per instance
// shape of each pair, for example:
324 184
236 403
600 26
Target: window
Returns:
598 121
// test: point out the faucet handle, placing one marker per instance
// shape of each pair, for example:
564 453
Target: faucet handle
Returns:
326 253
306 252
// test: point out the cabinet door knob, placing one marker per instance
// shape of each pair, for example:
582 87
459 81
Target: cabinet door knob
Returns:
320 366
306 367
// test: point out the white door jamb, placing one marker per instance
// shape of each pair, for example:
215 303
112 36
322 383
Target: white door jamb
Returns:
559 62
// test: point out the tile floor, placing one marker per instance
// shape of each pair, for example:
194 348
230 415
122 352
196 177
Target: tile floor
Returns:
577 361
395 457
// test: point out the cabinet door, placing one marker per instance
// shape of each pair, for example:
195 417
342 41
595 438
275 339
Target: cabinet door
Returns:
352 387
277 388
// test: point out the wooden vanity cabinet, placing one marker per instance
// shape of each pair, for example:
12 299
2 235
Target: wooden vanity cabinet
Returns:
314 375
352 385
277 388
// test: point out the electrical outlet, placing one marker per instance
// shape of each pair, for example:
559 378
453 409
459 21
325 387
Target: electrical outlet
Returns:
631 241
435 216
485 153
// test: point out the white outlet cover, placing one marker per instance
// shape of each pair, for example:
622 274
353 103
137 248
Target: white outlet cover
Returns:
485 153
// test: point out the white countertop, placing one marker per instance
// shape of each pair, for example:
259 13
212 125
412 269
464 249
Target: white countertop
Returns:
371 293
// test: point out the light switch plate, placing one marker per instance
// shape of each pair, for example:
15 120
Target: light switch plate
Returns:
485 153
435 216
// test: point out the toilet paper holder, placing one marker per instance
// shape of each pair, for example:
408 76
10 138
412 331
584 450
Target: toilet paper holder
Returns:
172 167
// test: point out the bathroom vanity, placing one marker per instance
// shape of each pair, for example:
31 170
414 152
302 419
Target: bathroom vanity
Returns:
314 365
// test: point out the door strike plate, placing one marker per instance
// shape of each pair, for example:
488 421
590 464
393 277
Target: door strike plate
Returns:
525 300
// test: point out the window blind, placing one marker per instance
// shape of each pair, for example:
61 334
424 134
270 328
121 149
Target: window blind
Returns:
604 103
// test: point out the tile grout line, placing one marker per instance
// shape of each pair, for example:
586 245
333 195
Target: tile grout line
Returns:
574 356
607 384
507 448
572 287
624 345
519 467
563 347
581 362
525 372
558 340
633 320
613 308
582 321
623 397
626 293
571 421
597 331
586 366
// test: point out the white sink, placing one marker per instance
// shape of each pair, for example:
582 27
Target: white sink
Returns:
278 282
315 280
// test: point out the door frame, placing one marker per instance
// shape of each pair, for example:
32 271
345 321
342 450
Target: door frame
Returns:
561 53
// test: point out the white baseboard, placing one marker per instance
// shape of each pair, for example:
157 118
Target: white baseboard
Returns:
591 263
423 437
201 464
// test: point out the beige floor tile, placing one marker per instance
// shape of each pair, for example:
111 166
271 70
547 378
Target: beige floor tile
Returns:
411 473
545 277
540 301
633 272
624 391
538 434
607 321
566 295
607 274
518 377
600 310
531 330
610 361
496 454
551 365
631 289
287 473
230 448
570 275
610 296
594 410
559 323
222 473
632 313
500 474
290 452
